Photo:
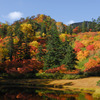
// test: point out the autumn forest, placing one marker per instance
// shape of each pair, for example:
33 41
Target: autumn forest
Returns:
39 47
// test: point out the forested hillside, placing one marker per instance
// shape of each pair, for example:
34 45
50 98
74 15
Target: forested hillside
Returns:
39 45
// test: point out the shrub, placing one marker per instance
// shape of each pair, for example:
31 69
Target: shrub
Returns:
96 44
79 44
91 63
80 64
98 83
22 67
94 71
73 76
77 49
49 75
56 69
90 47
81 55
58 76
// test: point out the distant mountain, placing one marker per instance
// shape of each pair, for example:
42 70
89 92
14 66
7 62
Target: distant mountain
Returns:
80 23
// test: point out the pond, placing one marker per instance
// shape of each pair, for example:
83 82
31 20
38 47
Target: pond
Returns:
27 93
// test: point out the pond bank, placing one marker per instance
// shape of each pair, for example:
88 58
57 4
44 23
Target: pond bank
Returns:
84 84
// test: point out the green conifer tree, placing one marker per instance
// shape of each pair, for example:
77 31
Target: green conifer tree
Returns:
10 45
43 29
53 56
58 52
69 58
40 53
84 27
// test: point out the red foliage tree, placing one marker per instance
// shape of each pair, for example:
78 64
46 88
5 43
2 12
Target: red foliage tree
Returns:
24 66
76 29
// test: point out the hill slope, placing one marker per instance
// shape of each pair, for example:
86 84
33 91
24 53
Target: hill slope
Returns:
87 48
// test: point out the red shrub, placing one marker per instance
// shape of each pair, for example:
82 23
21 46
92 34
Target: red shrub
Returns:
72 72
77 49
23 66
62 69
57 69
79 45
90 47
94 69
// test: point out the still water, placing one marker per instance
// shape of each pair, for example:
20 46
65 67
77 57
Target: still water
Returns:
26 93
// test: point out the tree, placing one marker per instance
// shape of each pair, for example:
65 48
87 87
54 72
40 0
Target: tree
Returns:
28 31
69 59
60 27
26 51
58 52
98 24
52 57
10 42
76 29
69 29
40 53
84 27
93 25
3 30
35 26
43 29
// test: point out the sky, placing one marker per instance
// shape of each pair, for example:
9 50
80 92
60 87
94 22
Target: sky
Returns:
66 11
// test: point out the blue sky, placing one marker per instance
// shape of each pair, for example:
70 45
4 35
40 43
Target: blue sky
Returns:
66 11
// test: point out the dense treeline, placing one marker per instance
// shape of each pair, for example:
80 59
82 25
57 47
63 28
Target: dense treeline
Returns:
85 26
40 45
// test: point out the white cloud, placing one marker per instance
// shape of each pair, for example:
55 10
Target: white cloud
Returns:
15 15
70 22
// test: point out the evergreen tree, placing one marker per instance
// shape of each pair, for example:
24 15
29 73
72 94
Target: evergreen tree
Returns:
40 53
26 47
43 29
3 30
69 59
98 24
10 45
84 27
69 30
58 52
53 56
93 25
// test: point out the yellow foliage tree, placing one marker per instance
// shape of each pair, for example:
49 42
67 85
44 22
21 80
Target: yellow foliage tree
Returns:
62 36
34 43
27 30
60 26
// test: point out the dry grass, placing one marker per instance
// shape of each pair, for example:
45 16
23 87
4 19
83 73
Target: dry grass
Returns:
78 83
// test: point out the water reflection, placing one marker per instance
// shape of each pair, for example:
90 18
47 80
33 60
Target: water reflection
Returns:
23 93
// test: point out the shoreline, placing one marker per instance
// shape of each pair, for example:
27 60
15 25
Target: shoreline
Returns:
87 85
